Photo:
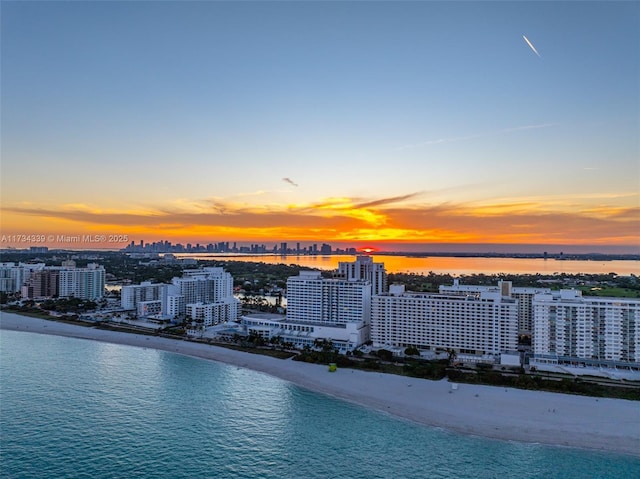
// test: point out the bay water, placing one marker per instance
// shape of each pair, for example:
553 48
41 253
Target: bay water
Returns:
455 266
72 408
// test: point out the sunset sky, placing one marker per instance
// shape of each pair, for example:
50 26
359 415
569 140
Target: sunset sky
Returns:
341 122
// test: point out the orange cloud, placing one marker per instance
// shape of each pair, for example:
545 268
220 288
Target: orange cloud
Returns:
393 219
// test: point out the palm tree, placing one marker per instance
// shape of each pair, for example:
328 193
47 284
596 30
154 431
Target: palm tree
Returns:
452 356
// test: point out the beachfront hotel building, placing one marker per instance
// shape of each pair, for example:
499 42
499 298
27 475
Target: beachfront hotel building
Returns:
210 314
132 295
345 337
203 295
314 299
364 269
83 283
477 327
206 285
587 331
523 295
335 309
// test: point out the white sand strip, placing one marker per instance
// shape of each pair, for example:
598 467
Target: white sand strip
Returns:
503 413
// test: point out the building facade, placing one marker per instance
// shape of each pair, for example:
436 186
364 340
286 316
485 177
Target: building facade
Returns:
345 337
83 283
339 309
203 295
206 285
591 330
523 295
133 294
364 269
210 314
314 299
145 309
42 284
13 276
486 324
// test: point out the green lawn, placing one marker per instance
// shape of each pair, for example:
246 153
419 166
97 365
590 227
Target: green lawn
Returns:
609 292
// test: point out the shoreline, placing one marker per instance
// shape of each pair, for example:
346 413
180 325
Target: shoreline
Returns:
601 424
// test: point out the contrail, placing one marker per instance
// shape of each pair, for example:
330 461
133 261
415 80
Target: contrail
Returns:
531 45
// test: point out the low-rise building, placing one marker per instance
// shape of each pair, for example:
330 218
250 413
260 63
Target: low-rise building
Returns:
345 337
145 309
210 314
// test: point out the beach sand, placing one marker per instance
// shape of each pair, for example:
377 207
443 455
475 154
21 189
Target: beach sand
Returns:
611 425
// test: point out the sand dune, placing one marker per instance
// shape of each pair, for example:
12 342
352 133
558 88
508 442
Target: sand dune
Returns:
503 413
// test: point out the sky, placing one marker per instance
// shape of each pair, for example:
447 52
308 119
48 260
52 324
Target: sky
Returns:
377 123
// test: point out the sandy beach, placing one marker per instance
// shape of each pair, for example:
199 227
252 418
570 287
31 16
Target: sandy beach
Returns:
503 413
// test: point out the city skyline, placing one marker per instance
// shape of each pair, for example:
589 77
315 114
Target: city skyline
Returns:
383 124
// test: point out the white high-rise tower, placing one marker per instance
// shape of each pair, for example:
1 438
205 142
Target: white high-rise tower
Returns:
364 269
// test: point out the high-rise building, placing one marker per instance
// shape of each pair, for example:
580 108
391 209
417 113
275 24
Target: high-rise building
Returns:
589 330
312 298
134 294
523 295
199 288
14 276
206 285
84 283
176 306
364 269
318 308
42 284
481 325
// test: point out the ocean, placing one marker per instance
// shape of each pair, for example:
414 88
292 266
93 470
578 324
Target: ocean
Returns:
72 408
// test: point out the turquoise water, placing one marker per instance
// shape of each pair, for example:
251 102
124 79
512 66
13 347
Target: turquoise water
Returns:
72 408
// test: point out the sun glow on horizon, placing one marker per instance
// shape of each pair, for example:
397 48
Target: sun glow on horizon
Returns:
343 220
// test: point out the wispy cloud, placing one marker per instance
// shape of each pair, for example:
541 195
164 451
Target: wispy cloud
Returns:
387 201
527 127
455 139
439 141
